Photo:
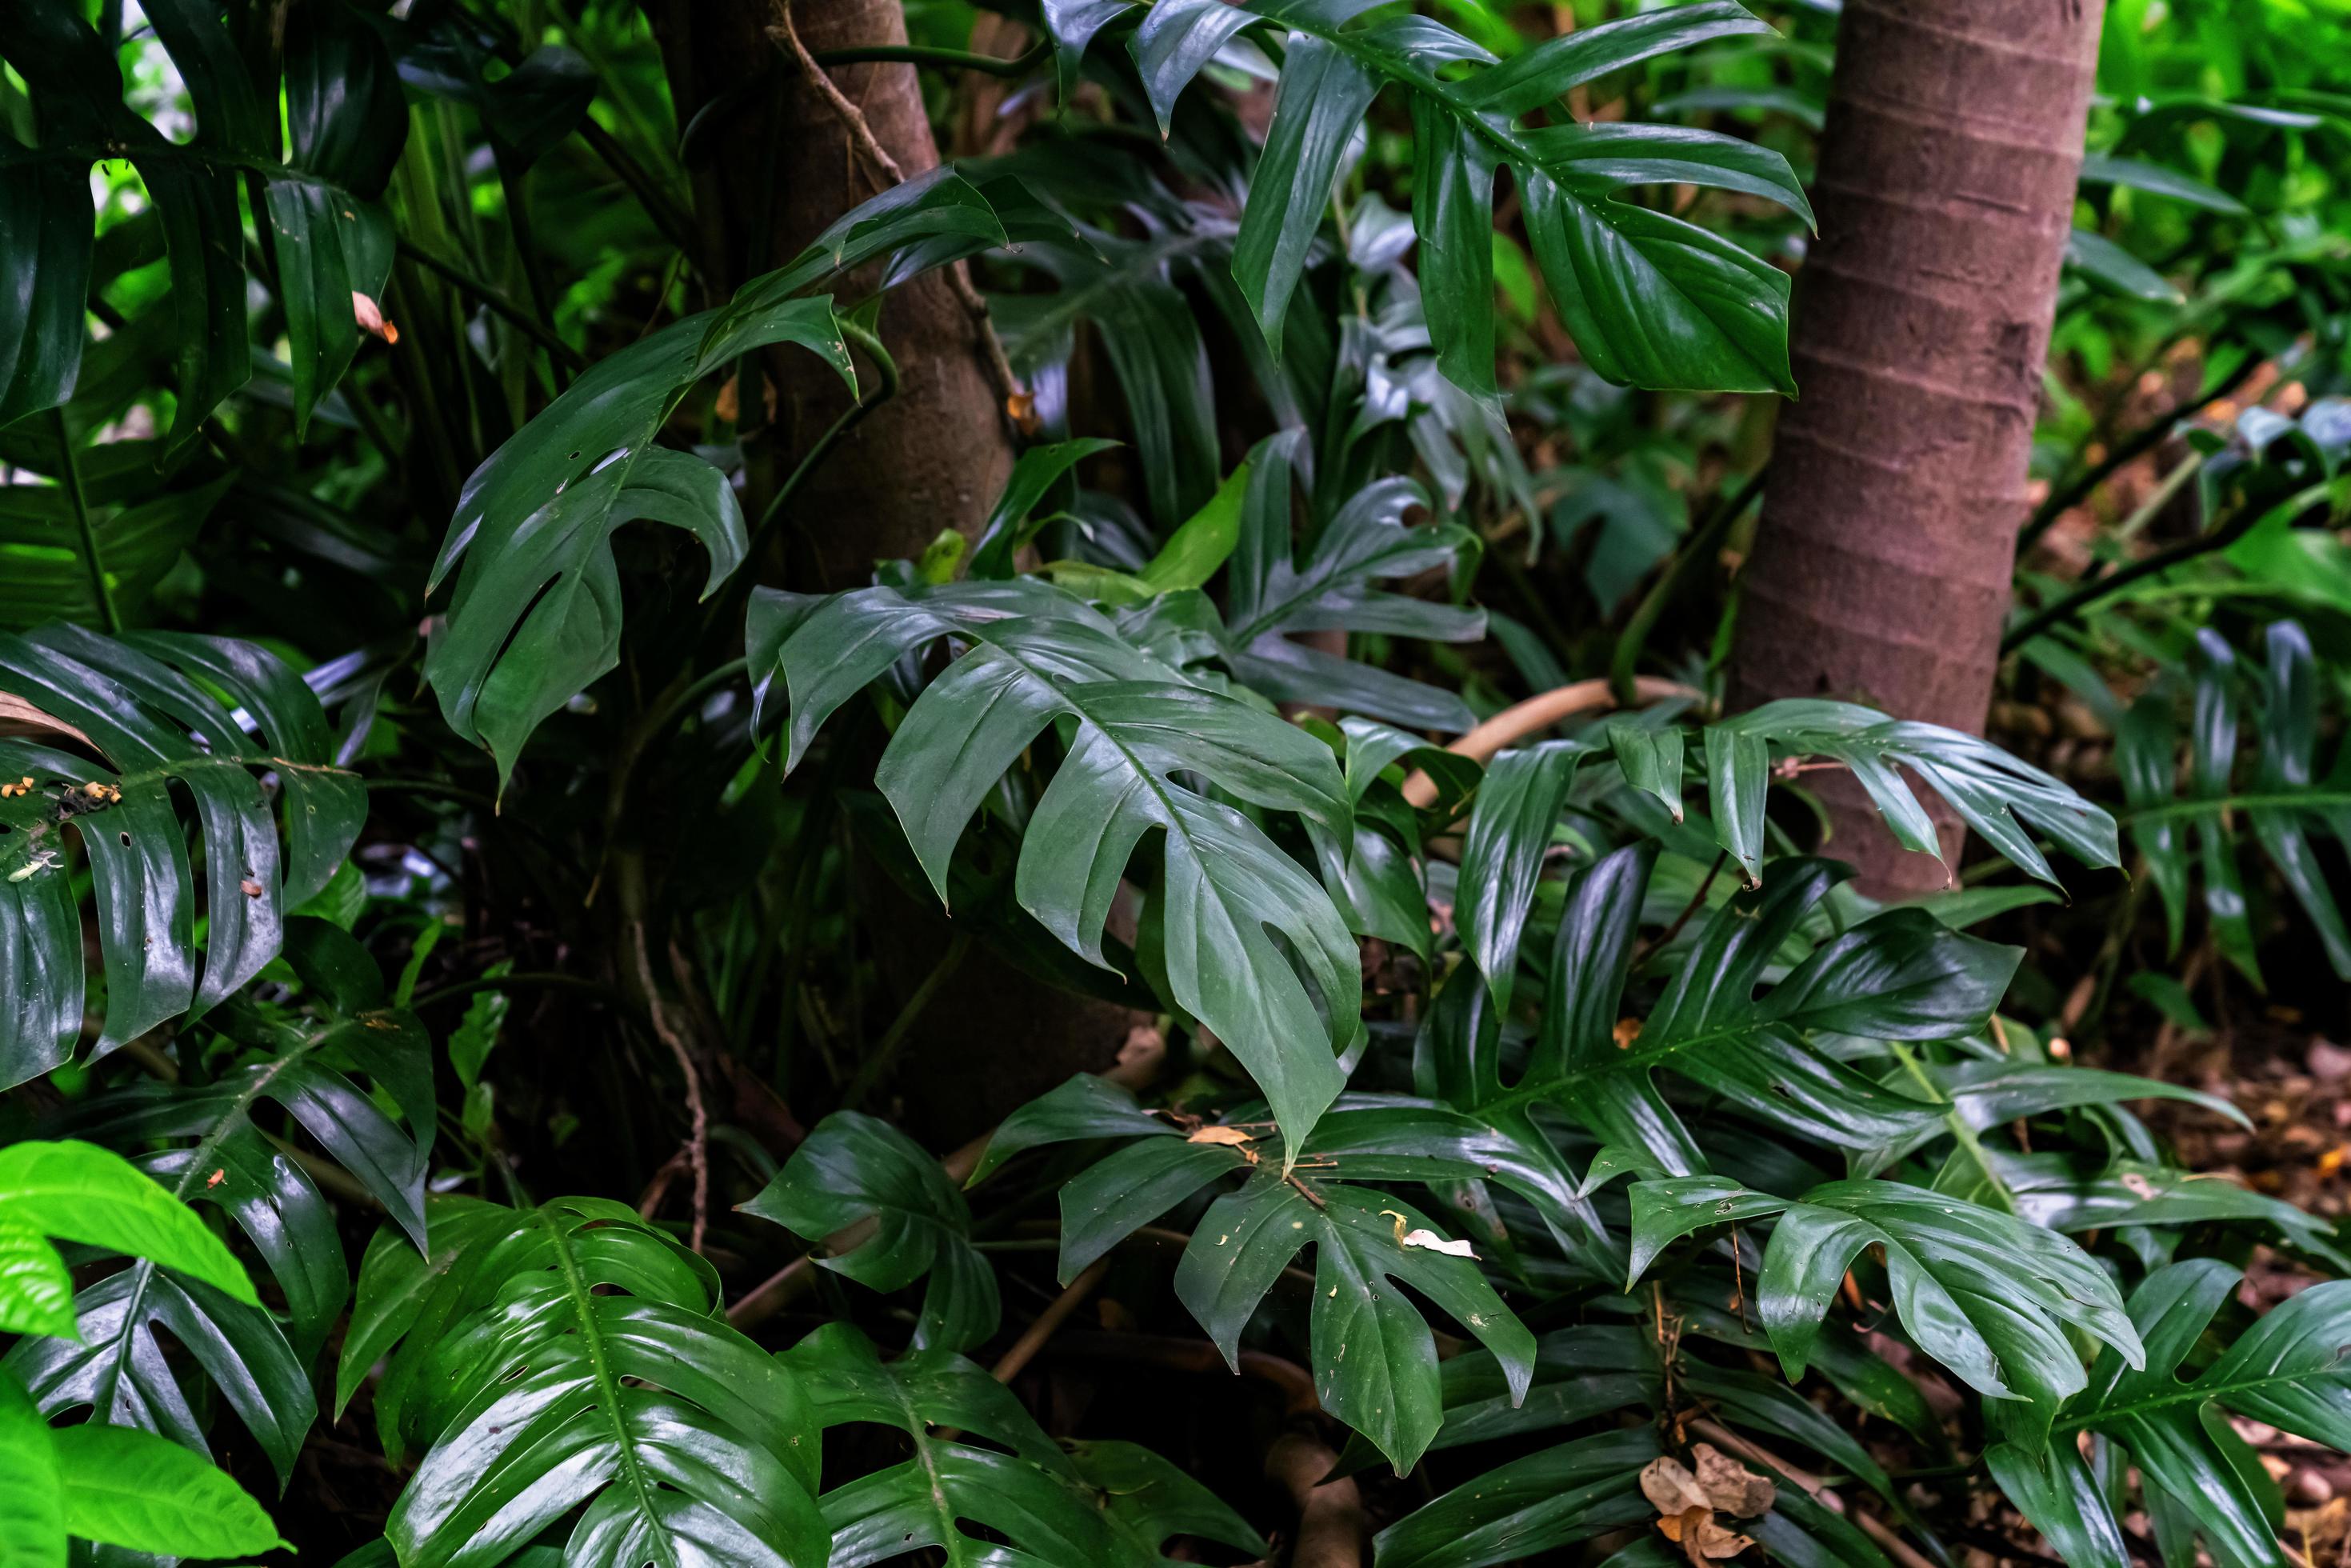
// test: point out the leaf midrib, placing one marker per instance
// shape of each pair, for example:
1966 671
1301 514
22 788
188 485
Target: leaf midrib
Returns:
607 1385
238 1109
2186 1394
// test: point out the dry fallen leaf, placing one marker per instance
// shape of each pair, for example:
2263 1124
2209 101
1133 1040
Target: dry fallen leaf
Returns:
1730 1486
1233 1135
19 717
1687 1503
1670 1488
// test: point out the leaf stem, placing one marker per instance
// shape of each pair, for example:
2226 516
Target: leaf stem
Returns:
1697 549
887 368
942 59
877 1063
2236 526
1963 1135
69 470
498 304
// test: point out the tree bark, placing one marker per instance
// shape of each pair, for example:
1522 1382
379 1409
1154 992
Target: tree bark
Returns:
1881 567
934 455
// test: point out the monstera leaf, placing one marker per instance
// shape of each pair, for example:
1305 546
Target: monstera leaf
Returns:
328 236
1987 787
1899 976
137 528
1374 1361
2200 1479
1988 1295
1333 588
855 1171
1111 1503
573 1355
303 1064
1034 657
213 1152
2288 803
535 616
146 703
1651 301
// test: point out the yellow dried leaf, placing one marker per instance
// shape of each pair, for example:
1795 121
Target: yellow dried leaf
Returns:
1231 1136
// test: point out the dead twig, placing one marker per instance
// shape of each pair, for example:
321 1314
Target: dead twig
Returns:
697 1147
1537 714
1009 392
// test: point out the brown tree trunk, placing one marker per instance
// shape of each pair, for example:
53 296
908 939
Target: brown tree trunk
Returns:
934 455
1946 190
931 457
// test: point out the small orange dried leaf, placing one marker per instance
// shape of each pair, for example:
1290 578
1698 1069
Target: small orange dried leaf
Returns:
1229 1136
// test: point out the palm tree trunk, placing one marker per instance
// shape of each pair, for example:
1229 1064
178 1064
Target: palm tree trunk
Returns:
1881 570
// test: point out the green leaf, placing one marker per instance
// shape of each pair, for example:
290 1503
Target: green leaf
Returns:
140 527
1987 786
2157 180
1529 1506
573 1355
536 614
1650 299
120 1487
1988 1295
1194 552
304 1067
1502 855
77 87
2286 800
32 1509
1322 97
2286 1371
856 1171
1105 1502
1225 886
1900 975
1010 525
79 1192
1374 1359
1364 542
2117 270
146 703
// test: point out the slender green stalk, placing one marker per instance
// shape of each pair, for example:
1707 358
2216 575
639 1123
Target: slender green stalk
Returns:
878 1061
887 368
69 470
944 60
497 303
2234 528
1963 1135
1696 550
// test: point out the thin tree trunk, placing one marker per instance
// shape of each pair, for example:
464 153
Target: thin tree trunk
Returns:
1946 190
935 454
933 457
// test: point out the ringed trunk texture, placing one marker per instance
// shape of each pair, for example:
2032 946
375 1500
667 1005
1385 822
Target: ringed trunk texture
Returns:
934 455
1881 569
